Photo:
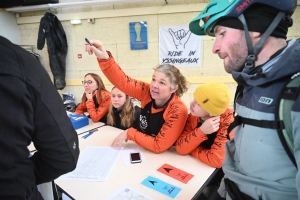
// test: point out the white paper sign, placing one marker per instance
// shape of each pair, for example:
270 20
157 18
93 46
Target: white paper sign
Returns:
179 47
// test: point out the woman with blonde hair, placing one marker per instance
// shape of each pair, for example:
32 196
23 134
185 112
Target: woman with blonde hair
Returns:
122 113
95 99
163 114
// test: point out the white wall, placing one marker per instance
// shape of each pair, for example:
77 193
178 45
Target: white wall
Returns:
9 27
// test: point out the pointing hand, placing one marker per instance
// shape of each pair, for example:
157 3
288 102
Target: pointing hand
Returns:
98 49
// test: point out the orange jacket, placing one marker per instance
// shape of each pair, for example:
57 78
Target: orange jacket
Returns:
89 106
192 137
175 114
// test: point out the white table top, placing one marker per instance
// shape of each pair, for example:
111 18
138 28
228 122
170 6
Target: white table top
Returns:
133 175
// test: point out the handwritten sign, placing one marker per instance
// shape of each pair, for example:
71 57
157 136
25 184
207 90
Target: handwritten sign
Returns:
179 47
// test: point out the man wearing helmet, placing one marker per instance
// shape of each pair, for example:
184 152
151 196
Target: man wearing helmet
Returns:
251 40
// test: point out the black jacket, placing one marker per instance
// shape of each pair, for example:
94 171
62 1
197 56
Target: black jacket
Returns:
52 30
31 111
117 114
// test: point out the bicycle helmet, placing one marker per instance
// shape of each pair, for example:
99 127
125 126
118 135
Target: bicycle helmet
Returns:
218 10
71 106
68 97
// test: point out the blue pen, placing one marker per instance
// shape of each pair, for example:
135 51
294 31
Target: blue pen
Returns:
87 135
90 133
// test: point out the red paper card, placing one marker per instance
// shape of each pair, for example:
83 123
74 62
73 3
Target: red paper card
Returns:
176 173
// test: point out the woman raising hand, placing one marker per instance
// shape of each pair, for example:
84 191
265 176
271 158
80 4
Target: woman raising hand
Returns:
163 114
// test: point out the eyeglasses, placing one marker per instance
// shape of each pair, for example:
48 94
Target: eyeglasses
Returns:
89 82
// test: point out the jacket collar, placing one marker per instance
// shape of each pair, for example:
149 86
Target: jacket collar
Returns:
284 64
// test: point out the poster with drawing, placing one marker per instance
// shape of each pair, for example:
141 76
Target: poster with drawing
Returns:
179 47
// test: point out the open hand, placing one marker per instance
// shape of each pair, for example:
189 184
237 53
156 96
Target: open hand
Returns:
119 139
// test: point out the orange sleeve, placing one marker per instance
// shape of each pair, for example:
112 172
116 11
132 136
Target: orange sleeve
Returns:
191 136
175 117
215 155
81 108
97 114
175 114
134 88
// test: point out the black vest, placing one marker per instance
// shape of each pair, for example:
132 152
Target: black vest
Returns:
151 123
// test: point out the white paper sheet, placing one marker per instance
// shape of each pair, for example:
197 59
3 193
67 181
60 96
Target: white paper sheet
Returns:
126 155
127 193
94 164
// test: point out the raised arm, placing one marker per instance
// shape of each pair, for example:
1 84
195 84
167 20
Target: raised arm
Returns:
113 72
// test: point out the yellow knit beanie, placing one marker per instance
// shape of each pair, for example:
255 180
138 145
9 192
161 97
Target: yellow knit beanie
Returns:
214 97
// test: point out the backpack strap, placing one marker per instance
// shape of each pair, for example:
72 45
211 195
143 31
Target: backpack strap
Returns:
238 94
238 120
283 121
289 94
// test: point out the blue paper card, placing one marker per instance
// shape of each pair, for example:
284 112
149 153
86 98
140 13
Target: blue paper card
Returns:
161 186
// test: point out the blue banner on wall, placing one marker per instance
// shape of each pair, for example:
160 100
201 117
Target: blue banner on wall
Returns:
138 35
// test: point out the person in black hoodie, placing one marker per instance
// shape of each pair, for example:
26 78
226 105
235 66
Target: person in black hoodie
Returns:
52 30
122 113
31 111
